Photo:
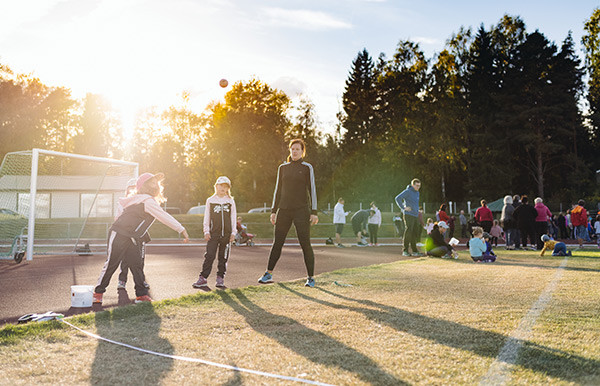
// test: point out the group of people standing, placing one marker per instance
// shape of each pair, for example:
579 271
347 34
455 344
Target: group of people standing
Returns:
524 223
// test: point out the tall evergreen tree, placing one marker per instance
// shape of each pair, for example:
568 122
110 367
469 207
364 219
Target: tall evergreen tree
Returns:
591 49
359 103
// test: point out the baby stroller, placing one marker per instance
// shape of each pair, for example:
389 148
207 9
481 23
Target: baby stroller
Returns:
242 236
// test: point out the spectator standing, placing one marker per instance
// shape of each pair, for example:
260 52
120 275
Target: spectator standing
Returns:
408 201
561 221
484 216
463 224
525 215
597 229
442 215
541 221
339 219
374 224
496 233
451 223
508 222
516 204
579 220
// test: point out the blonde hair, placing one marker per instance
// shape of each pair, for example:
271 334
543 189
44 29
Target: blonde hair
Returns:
228 189
477 231
154 188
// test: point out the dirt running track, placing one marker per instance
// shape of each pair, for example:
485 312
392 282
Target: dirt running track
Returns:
44 284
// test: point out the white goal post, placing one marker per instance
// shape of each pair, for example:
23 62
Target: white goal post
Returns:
65 200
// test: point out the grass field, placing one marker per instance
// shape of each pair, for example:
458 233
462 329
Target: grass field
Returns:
422 322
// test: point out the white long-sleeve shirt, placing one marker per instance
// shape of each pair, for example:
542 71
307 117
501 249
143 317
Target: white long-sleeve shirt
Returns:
339 216
376 218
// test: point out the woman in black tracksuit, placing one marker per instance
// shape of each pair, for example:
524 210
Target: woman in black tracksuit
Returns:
294 201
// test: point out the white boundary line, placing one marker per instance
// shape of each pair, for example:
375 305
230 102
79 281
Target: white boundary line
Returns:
499 372
209 363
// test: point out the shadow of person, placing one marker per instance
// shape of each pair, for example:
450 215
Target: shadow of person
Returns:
235 380
542 359
123 297
117 365
313 345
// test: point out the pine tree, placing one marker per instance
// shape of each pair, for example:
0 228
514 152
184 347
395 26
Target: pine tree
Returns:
359 103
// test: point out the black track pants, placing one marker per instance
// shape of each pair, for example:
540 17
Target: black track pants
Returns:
121 248
301 219
216 246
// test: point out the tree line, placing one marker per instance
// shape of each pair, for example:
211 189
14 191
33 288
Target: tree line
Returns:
499 110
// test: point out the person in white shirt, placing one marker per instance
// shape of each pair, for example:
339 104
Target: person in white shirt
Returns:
339 219
374 224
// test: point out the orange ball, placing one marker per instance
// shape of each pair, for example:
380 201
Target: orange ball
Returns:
223 83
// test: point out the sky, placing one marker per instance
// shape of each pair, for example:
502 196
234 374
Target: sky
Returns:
147 53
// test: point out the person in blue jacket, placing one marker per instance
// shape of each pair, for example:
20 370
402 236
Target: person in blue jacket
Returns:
408 201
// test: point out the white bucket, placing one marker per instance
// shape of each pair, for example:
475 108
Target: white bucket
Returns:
82 295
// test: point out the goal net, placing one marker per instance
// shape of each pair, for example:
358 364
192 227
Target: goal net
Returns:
58 203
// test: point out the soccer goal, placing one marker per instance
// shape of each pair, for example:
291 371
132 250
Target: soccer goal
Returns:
58 203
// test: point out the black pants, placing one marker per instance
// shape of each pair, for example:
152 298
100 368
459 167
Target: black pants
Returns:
463 230
125 267
122 248
373 228
541 228
487 226
412 232
220 244
301 219
527 230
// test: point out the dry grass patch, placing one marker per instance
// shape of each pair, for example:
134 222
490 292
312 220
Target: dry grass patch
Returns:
427 321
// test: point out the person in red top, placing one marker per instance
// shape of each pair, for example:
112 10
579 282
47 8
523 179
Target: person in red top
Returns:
443 216
541 221
484 216
579 221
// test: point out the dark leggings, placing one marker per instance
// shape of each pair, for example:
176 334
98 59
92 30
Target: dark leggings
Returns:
301 219
373 228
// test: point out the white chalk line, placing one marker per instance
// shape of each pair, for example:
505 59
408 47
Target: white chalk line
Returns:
209 363
500 370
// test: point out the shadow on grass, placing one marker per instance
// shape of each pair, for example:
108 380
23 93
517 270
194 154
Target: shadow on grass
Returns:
313 345
511 261
555 363
235 380
117 365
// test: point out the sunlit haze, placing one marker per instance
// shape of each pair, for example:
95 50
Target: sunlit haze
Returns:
147 53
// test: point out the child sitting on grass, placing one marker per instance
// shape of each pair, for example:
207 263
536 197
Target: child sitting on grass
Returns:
558 247
488 256
477 246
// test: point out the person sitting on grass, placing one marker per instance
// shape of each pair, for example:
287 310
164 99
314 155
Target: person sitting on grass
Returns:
436 246
477 246
558 247
488 256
